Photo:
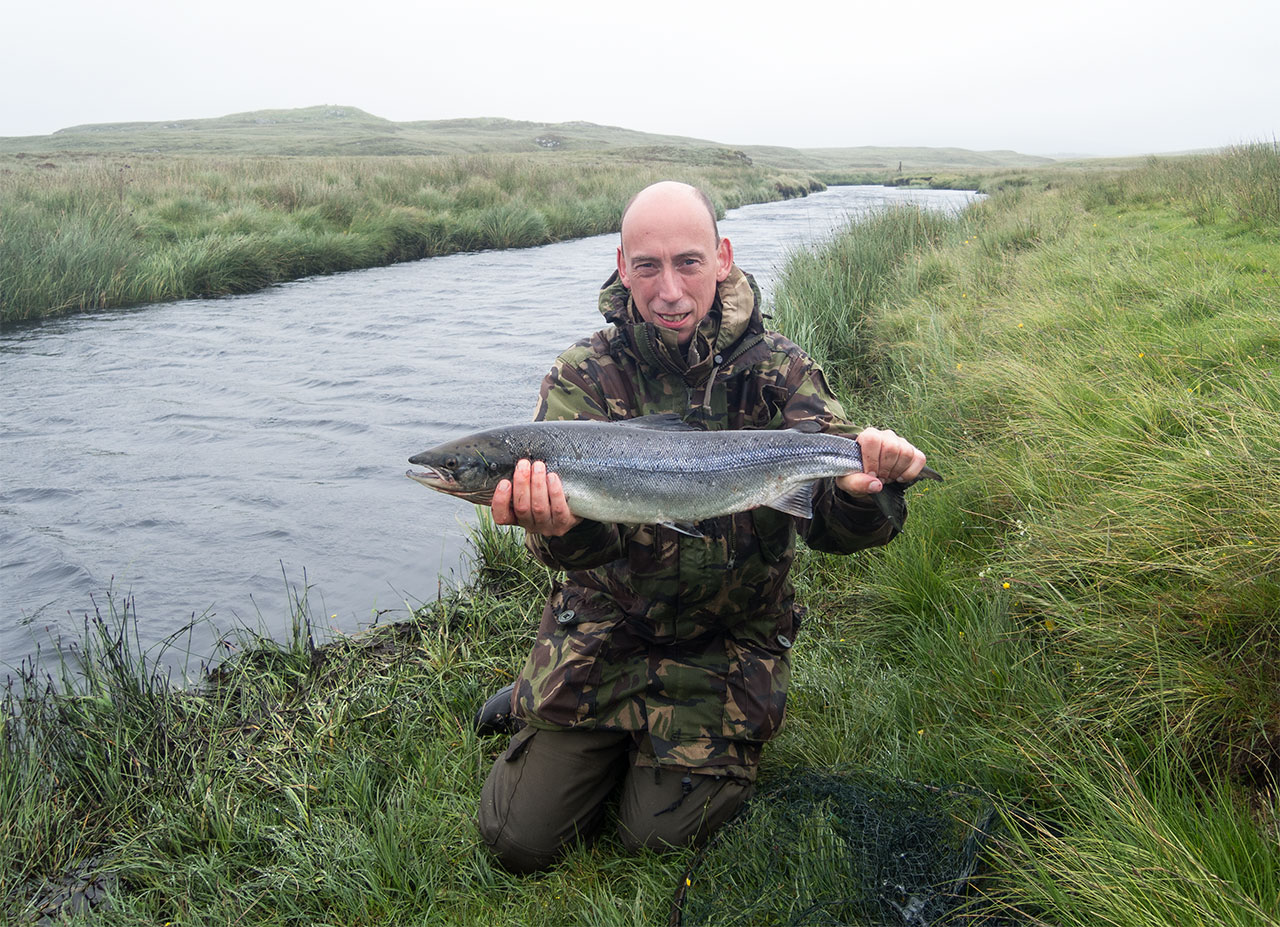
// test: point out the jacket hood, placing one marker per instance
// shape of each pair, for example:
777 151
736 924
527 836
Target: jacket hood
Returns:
733 323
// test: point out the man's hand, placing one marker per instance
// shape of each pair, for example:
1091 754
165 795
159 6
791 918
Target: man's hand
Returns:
886 458
534 499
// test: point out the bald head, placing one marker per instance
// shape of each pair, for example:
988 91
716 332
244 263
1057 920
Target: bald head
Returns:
673 193
672 257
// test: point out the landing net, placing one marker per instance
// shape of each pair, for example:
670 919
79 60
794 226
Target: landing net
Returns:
827 847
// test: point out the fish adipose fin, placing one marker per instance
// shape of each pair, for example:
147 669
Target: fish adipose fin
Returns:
798 501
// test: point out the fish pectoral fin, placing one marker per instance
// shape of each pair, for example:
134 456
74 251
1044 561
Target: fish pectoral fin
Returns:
661 421
684 528
798 501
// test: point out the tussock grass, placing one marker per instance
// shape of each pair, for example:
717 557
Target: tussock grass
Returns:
84 232
1149 844
1083 617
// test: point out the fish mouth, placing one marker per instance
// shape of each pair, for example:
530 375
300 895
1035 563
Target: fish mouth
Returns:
433 479
443 482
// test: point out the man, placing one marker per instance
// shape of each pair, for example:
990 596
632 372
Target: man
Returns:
661 665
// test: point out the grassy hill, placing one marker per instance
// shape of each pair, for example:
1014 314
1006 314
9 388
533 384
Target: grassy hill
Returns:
346 130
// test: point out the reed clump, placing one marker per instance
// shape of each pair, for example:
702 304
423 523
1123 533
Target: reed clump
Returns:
84 232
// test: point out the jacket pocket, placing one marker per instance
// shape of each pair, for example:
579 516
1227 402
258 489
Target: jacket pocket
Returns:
756 691
774 532
562 676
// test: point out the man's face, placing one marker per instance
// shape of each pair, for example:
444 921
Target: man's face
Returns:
670 259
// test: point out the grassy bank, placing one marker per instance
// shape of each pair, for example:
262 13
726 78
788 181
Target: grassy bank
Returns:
1081 621
86 231
1083 618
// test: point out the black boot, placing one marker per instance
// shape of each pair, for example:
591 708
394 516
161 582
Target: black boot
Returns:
494 716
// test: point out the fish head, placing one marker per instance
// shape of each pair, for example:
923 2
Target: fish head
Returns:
469 468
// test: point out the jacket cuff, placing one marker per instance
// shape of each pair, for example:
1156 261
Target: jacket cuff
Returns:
587 544
843 522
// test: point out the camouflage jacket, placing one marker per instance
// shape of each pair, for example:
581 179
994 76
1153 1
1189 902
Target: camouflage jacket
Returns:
684 640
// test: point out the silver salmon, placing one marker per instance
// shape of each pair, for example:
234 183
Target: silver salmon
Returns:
655 469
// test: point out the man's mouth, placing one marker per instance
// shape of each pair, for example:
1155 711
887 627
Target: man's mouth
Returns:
672 319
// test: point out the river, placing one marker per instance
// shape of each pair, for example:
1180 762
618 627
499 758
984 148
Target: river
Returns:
209 460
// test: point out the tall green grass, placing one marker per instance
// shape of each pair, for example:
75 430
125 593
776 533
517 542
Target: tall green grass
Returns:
820 291
1083 618
80 232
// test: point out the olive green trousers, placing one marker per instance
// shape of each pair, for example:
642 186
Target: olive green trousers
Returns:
550 789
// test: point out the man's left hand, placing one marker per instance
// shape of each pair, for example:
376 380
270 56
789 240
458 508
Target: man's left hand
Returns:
886 458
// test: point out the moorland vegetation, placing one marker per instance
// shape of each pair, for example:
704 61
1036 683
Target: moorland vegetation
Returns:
117 214
1081 621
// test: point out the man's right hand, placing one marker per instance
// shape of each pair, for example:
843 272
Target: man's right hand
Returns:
533 499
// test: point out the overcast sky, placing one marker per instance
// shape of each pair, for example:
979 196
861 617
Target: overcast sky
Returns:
1103 77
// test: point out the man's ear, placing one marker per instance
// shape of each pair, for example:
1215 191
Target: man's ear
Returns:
622 269
724 259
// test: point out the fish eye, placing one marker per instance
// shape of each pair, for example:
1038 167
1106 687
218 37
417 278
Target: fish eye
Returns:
451 463
493 467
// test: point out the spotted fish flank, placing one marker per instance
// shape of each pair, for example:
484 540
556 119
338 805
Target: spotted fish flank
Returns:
653 470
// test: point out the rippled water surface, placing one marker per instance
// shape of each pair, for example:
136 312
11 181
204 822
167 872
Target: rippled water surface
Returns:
211 458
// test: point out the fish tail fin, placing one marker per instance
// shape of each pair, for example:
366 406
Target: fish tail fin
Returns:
891 501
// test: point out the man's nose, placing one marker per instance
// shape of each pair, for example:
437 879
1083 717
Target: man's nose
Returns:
669 289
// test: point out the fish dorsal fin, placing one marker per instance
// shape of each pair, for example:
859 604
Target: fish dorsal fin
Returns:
798 501
661 421
808 427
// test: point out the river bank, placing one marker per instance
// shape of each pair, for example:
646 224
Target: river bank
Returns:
1080 622
81 232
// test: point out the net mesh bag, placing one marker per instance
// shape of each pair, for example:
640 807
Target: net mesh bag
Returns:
825 847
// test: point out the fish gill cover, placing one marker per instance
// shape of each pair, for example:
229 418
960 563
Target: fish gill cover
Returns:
840 846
